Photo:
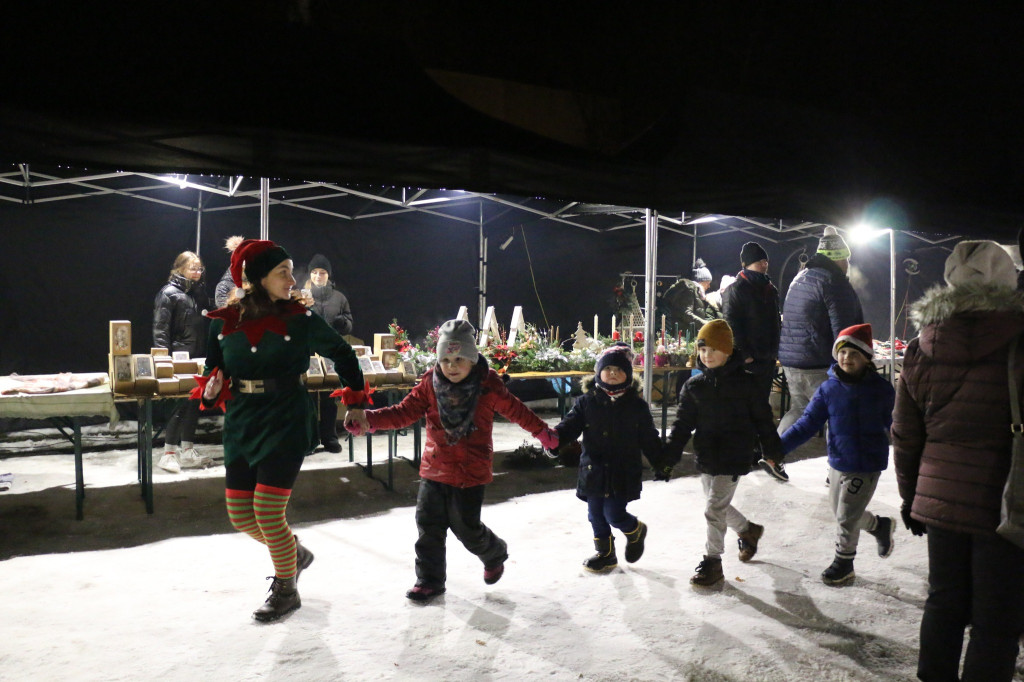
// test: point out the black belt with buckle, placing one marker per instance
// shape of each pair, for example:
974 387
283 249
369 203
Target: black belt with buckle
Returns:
258 386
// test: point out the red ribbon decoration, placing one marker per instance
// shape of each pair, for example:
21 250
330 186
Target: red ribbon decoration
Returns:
197 392
350 397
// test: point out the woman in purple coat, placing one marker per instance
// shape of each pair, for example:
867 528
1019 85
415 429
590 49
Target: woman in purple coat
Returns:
952 451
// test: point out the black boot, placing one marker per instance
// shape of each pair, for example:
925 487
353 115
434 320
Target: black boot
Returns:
635 542
839 573
604 560
303 558
885 527
283 599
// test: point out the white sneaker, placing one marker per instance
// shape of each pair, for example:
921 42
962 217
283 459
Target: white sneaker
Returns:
169 462
190 459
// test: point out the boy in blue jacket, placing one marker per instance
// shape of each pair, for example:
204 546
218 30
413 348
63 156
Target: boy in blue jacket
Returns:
857 403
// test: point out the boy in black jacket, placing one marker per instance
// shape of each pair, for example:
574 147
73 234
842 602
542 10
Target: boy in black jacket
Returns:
725 410
617 427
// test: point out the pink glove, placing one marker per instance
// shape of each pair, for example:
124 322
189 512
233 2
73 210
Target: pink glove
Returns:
354 427
548 438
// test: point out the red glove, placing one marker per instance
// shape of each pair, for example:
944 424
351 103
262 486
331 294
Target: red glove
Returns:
548 438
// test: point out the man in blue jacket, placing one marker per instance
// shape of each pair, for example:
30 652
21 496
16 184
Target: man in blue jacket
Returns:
820 303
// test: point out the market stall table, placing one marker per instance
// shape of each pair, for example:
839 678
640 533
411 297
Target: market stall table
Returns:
561 380
62 409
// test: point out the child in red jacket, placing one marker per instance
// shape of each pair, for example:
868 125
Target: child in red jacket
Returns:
458 397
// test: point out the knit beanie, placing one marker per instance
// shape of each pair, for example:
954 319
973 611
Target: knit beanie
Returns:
717 334
858 336
980 262
458 338
618 355
752 253
701 272
257 257
320 261
832 246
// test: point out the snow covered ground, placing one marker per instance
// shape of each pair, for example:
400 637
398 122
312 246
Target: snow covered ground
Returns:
175 602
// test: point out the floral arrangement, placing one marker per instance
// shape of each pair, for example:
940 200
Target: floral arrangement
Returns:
402 343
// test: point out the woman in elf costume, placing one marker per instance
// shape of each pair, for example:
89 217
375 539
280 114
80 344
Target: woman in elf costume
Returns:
260 345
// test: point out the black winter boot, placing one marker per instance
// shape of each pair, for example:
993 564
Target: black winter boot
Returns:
709 572
839 573
604 560
303 558
635 542
283 599
883 532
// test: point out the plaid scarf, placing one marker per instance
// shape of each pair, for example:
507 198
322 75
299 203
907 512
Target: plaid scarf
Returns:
456 403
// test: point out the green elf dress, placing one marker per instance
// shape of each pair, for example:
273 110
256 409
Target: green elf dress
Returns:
273 352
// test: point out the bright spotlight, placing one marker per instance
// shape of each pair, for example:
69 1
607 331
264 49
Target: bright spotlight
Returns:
862 233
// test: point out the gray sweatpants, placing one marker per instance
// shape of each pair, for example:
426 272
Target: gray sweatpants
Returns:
719 512
849 493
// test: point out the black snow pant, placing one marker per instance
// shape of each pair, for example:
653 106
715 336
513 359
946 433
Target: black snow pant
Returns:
181 426
975 580
439 507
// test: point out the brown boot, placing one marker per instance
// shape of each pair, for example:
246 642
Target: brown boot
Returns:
283 599
748 541
709 572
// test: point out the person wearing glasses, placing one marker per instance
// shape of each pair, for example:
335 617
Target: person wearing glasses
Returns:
179 325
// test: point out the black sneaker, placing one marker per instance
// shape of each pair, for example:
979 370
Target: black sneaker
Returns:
774 469
839 573
883 532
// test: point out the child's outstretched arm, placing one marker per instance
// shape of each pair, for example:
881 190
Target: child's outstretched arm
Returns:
513 409
411 409
810 422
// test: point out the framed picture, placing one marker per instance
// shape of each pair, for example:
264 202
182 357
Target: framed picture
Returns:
328 366
365 364
408 369
122 368
142 367
180 355
120 337
315 368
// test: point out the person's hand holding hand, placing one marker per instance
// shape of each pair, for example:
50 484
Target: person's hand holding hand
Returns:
213 387
356 423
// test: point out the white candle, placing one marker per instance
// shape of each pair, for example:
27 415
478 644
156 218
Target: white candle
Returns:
595 326
613 324
663 327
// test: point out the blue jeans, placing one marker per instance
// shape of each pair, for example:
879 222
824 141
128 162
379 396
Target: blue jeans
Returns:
605 512
975 580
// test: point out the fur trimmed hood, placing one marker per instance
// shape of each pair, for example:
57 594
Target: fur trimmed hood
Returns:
587 384
942 302
968 320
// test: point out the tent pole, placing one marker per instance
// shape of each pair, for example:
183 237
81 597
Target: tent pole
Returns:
650 278
264 208
481 301
892 306
199 224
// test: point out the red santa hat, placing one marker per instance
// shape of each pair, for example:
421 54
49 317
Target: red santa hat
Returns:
257 257
858 336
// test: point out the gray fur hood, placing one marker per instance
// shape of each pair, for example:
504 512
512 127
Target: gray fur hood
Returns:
967 320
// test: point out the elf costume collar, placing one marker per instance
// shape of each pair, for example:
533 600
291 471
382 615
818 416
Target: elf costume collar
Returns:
254 329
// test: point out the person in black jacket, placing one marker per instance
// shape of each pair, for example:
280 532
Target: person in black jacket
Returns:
226 285
617 427
751 307
726 413
330 304
179 325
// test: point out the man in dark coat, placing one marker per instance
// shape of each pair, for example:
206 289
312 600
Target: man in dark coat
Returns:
751 307
687 303
820 303
330 304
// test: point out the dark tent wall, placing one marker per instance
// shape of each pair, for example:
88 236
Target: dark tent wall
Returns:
75 265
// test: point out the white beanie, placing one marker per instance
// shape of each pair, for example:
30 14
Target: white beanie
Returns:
457 337
980 262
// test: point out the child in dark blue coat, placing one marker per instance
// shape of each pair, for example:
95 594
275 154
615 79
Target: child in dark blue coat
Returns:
617 427
857 403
